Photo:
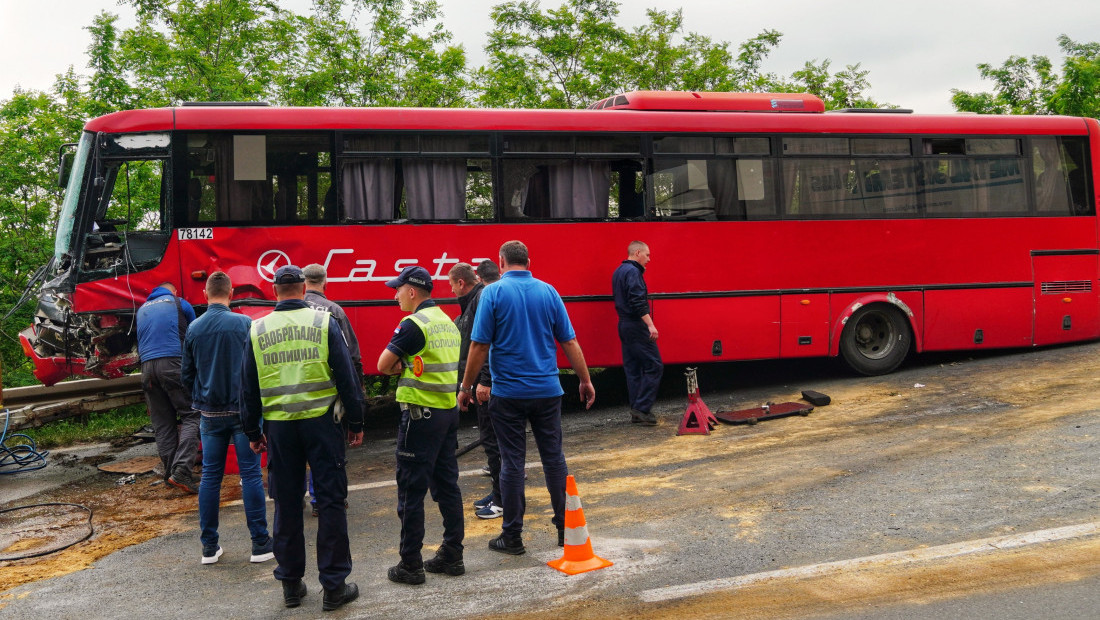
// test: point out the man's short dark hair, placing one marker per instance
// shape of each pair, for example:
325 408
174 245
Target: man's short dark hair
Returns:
464 272
219 285
514 253
488 271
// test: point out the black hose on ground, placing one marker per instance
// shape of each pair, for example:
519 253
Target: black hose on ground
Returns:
20 457
55 549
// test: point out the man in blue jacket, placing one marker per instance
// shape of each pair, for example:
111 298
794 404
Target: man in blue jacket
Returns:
641 358
213 354
161 324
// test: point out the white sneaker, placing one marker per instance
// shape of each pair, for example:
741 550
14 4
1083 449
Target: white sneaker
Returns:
490 511
211 556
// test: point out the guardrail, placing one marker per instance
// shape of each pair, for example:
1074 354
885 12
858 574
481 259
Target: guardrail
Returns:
36 405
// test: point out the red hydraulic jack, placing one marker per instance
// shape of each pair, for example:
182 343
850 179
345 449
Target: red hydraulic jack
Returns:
698 420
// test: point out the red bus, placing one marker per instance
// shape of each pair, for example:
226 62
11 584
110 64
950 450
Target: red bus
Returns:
778 230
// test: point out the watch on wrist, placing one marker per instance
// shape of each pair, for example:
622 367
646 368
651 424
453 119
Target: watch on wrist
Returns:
468 389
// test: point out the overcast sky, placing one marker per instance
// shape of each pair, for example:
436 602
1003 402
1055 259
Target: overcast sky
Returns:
916 51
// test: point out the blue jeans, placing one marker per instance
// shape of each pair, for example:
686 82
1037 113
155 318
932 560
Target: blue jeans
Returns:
510 418
216 433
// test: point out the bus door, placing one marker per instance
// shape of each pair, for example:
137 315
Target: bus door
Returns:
1066 303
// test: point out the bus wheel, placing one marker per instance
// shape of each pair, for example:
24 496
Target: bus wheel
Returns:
875 340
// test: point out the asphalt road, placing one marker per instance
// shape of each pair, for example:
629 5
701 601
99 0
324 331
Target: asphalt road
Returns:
957 487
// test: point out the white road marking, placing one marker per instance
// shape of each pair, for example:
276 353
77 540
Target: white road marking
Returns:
998 543
392 483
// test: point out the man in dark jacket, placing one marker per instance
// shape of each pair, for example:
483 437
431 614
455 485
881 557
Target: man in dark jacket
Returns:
467 289
316 282
212 354
161 324
641 358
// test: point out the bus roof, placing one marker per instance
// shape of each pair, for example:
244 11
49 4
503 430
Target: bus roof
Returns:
239 118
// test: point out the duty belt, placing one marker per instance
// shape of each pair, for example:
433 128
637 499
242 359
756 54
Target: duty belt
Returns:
416 411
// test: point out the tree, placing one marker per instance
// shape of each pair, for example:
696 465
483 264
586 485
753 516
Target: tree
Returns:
402 56
1031 86
563 58
840 90
576 54
199 50
33 125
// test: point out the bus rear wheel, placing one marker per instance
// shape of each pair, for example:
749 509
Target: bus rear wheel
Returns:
876 339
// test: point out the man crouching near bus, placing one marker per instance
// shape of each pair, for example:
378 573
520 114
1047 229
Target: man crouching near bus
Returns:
296 366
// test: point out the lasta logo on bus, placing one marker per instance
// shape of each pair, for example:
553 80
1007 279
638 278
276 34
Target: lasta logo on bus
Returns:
364 269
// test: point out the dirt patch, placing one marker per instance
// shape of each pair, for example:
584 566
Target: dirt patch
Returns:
121 516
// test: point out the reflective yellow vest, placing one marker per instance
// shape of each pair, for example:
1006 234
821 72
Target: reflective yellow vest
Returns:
430 377
291 350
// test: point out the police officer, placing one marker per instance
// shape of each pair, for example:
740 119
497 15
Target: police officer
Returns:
424 350
296 366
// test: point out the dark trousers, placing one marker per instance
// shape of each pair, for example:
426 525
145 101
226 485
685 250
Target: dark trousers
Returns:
426 461
170 404
291 444
641 363
489 444
510 419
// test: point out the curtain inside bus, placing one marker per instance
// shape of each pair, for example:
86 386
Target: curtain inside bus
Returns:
556 188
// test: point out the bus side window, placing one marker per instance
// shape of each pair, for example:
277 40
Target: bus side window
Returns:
556 188
1061 185
479 189
755 188
258 179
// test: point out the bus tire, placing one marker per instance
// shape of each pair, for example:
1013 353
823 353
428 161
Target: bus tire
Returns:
876 339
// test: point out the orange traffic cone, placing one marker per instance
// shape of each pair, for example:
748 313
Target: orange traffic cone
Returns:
578 556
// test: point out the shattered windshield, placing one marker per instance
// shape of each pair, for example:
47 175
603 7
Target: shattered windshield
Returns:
67 220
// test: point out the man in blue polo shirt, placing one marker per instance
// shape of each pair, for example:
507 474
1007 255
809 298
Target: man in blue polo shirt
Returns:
519 320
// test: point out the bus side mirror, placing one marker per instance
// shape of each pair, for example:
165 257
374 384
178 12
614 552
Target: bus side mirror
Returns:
65 164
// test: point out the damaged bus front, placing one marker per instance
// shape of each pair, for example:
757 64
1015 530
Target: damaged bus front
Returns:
111 240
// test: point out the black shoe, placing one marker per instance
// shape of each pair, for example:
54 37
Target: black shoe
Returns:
182 479
445 562
293 591
411 576
561 538
335 598
502 545
643 417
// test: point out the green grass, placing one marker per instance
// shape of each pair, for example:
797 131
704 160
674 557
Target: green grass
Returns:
95 427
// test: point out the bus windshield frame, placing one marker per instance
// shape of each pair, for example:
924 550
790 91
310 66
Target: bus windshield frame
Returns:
68 219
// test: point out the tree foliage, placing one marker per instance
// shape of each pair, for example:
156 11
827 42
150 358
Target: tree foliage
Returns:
1032 86
33 125
577 53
